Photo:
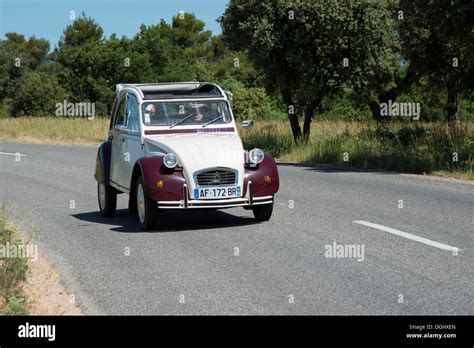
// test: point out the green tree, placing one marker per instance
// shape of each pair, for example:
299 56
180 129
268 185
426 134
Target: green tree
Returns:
221 62
17 56
169 60
37 95
83 30
439 36
93 65
188 32
31 52
98 67
389 74
306 50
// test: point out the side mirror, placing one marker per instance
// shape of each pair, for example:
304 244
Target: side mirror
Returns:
247 124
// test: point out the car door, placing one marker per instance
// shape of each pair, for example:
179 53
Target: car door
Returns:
117 138
132 140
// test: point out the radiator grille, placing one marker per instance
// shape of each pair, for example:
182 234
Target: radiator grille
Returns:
216 177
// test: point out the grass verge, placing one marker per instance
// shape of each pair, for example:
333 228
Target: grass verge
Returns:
423 148
54 130
420 148
13 274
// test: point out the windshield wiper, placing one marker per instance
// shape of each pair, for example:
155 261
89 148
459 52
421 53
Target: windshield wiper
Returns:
181 121
212 121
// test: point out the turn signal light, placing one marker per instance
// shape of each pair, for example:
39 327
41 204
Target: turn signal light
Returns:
267 179
160 184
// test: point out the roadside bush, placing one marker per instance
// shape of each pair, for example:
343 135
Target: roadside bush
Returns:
254 103
342 109
409 136
268 136
451 148
5 107
37 95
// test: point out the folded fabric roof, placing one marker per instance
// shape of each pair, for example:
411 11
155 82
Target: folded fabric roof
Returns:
179 90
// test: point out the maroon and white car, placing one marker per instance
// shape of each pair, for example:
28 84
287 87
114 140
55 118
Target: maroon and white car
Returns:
176 146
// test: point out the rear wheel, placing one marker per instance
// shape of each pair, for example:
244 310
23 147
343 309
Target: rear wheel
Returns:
263 212
147 210
107 199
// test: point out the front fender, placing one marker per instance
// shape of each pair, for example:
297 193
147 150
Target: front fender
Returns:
257 175
103 160
152 169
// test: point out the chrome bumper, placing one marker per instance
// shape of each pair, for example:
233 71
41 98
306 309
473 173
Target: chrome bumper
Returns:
187 203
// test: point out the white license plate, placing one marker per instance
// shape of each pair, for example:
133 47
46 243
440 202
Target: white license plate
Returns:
217 192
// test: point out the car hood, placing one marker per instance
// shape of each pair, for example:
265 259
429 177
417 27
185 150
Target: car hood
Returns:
200 151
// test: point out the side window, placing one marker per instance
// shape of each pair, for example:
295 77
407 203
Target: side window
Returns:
120 114
132 113
217 109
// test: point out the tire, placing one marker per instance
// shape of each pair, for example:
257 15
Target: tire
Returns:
107 197
147 210
263 212
132 199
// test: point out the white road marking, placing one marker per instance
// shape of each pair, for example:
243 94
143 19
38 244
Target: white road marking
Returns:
408 235
12 154
63 205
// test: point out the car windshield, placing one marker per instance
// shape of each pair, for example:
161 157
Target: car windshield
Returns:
176 114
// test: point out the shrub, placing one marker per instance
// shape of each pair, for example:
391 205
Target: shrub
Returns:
37 95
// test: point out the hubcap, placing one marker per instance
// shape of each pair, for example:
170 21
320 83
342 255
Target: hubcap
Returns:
102 196
141 203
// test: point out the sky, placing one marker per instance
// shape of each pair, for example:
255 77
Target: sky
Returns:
48 18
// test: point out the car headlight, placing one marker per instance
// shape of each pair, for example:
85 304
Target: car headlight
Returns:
170 160
256 156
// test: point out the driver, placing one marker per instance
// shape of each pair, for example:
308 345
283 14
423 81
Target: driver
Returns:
200 111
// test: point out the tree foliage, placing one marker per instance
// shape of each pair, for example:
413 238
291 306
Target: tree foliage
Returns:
307 50
37 94
439 37
299 58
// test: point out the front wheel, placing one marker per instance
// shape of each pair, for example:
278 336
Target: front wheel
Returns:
107 199
147 210
263 212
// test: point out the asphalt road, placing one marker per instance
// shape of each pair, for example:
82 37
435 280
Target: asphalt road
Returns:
282 266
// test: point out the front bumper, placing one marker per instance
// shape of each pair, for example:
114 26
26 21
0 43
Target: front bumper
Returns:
186 203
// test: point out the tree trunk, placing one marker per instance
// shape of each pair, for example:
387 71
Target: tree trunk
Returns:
375 108
452 106
295 126
308 116
292 116
413 75
376 105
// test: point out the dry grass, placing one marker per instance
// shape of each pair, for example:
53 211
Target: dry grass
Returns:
427 148
54 130
468 175
13 273
399 146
